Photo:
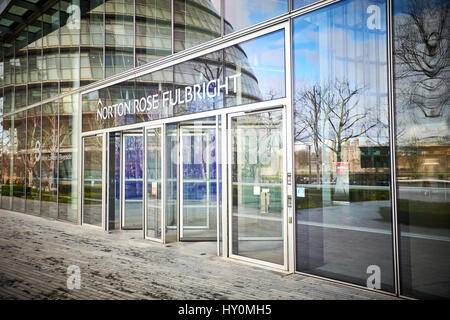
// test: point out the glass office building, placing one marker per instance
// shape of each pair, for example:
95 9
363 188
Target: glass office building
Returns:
303 136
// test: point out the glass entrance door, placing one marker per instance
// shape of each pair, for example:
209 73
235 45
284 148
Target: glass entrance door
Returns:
154 219
92 190
133 180
256 174
198 180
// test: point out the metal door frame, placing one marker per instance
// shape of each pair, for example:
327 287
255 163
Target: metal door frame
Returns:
104 182
285 195
163 183
182 126
122 172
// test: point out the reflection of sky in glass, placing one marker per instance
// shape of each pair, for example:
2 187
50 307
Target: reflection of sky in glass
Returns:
300 3
351 41
345 42
244 13
266 57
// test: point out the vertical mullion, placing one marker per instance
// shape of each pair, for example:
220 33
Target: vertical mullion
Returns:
57 156
134 34
40 160
392 149
25 157
104 39
172 22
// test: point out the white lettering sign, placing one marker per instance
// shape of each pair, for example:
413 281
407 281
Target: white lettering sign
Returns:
197 92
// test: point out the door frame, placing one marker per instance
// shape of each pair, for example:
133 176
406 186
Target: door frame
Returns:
163 183
122 173
285 195
104 181
181 180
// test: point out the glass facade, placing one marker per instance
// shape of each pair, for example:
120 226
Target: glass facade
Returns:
422 81
326 132
251 71
342 167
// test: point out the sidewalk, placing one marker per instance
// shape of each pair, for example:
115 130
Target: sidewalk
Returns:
35 253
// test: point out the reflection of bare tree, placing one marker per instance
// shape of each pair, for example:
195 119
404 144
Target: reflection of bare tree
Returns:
50 136
309 105
422 52
336 107
33 128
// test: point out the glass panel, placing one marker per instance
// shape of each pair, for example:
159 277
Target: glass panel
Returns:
20 66
119 41
90 104
198 179
50 42
154 187
21 59
421 82
1 151
195 22
260 64
92 180
8 65
49 89
20 99
51 23
219 184
257 186
50 65
20 148
171 182
34 65
34 93
91 64
70 23
114 181
200 86
133 178
301 3
8 99
153 30
33 176
70 68
342 164
7 163
49 160
240 14
92 40
68 154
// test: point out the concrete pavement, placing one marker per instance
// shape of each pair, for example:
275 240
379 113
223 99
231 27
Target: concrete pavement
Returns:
36 252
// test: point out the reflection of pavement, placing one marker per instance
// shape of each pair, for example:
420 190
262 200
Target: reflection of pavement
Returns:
271 251
133 214
363 216
427 194
342 241
120 265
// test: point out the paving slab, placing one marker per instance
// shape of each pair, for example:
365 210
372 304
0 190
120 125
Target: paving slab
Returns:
35 253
